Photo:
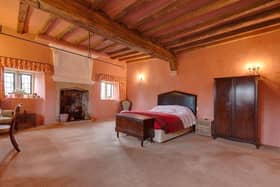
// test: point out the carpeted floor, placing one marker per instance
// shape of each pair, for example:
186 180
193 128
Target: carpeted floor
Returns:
90 155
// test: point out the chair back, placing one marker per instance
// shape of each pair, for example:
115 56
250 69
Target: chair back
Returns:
15 114
126 105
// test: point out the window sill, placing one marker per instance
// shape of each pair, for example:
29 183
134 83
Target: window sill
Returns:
23 97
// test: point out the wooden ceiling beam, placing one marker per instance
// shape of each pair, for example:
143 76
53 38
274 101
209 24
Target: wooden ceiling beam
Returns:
97 4
128 9
133 57
82 39
108 46
139 59
231 39
119 51
228 35
65 32
210 7
257 7
160 12
98 43
124 54
48 26
248 21
96 22
22 17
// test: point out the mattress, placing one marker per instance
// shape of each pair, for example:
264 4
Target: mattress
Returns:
161 136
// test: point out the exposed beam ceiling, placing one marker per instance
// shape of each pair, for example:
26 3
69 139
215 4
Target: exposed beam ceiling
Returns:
243 23
139 59
80 15
161 12
97 4
65 32
124 54
82 39
132 57
128 9
48 25
242 33
214 5
22 17
242 13
108 46
119 51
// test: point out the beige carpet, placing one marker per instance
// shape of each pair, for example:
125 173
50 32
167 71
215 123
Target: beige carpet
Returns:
90 155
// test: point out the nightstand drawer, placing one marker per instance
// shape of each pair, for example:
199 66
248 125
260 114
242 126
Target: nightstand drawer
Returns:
203 127
205 131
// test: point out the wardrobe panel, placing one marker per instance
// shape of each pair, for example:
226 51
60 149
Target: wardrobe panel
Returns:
223 107
243 119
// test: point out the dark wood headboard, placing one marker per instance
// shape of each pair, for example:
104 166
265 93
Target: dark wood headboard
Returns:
178 98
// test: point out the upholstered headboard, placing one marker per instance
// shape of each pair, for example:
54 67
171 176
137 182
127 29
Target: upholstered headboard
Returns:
178 98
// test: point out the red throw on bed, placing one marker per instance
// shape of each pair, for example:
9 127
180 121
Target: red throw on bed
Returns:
167 122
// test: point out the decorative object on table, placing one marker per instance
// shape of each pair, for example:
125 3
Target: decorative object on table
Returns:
203 127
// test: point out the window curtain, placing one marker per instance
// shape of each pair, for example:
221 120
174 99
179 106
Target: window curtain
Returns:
120 83
2 92
22 64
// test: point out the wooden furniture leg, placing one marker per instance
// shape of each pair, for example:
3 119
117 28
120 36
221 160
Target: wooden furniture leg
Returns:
12 137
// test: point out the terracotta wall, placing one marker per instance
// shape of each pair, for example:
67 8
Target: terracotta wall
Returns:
105 109
46 86
197 69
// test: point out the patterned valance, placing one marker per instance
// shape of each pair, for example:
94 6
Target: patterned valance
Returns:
107 77
22 64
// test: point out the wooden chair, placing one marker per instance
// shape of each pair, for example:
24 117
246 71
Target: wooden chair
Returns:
125 105
11 127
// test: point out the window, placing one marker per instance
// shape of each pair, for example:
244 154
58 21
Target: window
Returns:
109 90
9 82
18 80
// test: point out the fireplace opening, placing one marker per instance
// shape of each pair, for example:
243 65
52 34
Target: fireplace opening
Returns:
74 102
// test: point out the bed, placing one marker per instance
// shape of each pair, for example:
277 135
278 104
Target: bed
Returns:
178 109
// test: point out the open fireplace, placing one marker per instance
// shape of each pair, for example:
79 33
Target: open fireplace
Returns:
74 102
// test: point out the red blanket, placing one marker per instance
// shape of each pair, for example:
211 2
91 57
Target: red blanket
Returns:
167 122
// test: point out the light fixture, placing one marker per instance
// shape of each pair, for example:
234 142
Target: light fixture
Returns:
254 69
140 77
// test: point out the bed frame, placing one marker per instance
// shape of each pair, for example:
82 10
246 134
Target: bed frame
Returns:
176 98
171 98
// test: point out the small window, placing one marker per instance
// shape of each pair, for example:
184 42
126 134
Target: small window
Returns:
26 83
9 82
18 80
109 90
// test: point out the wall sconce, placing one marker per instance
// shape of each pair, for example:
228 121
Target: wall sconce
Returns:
254 69
140 77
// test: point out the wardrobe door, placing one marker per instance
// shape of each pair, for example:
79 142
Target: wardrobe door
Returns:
223 108
244 118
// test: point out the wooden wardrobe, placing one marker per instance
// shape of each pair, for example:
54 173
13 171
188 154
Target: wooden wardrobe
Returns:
236 109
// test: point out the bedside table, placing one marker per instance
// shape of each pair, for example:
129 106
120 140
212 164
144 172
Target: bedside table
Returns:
203 127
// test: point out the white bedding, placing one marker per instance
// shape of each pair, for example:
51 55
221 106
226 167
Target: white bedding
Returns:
184 113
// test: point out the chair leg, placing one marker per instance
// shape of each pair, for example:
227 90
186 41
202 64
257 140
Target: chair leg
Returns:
12 138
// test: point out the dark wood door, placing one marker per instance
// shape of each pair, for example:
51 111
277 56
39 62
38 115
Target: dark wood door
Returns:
223 107
243 121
